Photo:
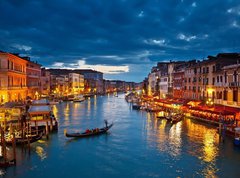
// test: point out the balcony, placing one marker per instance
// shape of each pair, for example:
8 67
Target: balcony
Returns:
12 87
234 84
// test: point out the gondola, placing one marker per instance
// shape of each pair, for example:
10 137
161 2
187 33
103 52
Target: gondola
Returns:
8 163
22 141
90 132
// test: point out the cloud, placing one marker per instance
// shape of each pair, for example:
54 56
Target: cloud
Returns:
58 64
22 47
235 24
160 42
181 36
234 10
141 14
194 4
81 64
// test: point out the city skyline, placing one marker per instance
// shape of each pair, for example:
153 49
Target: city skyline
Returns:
120 38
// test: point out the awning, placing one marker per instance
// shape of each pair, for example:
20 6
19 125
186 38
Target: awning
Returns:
40 102
39 110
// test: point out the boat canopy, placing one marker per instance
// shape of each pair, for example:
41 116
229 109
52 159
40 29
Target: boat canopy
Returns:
40 102
34 110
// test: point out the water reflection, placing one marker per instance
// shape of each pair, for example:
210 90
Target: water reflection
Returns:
41 153
66 112
175 139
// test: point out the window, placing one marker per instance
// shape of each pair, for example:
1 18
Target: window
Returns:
221 78
207 70
235 95
225 95
214 68
217 79
203 70
195 70
235 76
189 80
213 81
220 95
225 77
194 89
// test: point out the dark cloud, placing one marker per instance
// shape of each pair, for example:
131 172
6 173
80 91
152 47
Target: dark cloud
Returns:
119 32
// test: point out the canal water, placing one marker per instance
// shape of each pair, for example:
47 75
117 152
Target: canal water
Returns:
138 145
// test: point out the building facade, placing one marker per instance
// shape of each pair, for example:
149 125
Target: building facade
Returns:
13 78
33 79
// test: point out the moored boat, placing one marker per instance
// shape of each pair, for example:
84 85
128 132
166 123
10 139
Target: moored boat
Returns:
78 98
26 140
88 132
176 118
136 106
237 137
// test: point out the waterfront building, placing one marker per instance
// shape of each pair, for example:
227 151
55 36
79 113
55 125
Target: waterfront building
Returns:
33 78
230 94
179 82
153 82
145 86
13 78
114 86
93 79
213 76
59 85
193 80
75 83
163 79
45 82
129 86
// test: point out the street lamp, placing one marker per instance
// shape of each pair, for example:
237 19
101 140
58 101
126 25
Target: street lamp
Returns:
209 102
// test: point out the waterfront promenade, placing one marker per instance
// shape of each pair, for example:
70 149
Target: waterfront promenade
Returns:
138 145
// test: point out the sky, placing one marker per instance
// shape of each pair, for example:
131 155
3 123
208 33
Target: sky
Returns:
122 38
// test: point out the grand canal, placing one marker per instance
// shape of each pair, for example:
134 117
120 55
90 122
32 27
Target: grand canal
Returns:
138 145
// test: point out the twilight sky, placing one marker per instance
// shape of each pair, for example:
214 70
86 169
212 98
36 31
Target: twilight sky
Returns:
122 38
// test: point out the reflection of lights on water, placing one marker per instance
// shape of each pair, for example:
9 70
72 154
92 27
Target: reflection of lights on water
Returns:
89 105
41 153
41 141
209 149
2 172
175 139
95 100
75 109
55 110
201 134
66 112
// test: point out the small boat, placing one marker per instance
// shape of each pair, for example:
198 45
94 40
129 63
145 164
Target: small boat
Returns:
78 98
88 133
8 163
161 117
136 106
176 118
237 137
28 139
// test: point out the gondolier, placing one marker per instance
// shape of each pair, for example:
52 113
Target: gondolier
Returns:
106 123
